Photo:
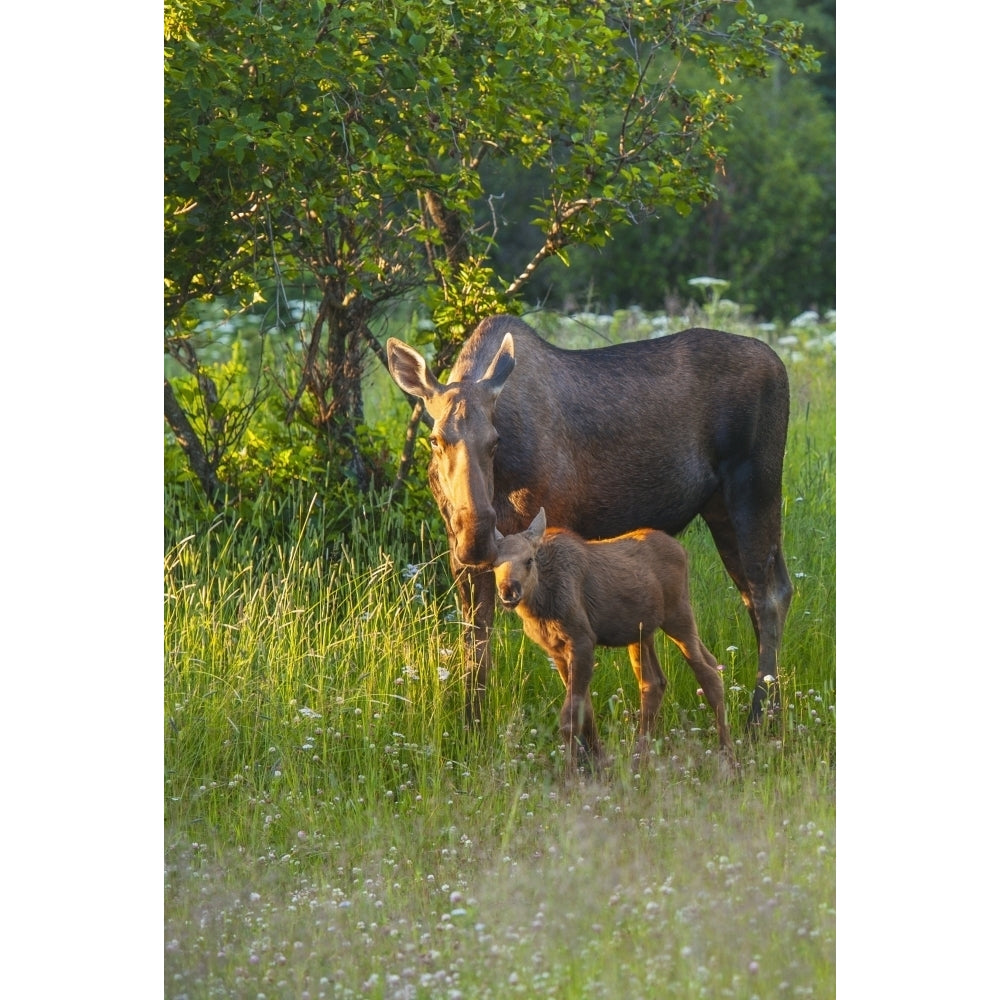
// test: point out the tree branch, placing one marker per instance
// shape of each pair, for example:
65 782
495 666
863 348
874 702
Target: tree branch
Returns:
409 443
309 363
554 242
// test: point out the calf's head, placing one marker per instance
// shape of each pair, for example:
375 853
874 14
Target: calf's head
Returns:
516 568
463 442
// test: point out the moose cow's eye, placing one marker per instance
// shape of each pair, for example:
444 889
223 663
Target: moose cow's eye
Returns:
435 443
494 445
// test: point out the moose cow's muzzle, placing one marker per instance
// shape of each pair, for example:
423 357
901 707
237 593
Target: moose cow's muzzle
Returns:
475 545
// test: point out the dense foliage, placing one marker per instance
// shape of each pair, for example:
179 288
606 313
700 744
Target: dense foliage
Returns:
769 232
331 165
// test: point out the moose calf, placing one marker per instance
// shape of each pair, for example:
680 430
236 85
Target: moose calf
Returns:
573 595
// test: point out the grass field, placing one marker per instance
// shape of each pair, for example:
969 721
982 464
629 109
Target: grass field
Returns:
331 829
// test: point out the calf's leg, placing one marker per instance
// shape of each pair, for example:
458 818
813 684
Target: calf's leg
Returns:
652 685
576 720
680 628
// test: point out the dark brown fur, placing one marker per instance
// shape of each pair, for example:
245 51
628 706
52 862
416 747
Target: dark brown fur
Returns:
573 595
645 434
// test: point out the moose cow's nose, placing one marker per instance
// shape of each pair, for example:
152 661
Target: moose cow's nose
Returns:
474 541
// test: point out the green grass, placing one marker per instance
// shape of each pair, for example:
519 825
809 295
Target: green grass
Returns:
332 830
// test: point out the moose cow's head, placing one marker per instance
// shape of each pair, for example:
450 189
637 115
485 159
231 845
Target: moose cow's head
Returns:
463 442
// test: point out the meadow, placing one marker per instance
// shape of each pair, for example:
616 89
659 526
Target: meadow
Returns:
333 830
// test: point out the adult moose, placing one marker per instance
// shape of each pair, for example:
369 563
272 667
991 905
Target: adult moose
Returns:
647 434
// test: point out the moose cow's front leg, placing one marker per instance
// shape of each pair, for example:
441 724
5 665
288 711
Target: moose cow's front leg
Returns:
477 594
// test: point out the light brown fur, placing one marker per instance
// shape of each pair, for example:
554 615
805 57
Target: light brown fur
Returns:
573 595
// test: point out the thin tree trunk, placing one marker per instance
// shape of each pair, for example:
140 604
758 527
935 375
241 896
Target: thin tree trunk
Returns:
449 225
192 446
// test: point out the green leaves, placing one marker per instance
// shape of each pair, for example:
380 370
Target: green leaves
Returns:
350 142
363 105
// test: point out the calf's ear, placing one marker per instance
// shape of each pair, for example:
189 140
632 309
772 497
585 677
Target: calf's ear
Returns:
537 527
409 370
497 535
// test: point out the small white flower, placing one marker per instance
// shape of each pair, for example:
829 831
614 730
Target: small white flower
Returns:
309 713
443 674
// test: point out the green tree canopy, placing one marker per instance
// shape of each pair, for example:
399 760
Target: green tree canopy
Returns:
340 148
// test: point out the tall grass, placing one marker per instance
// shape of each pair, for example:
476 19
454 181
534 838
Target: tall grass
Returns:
332 829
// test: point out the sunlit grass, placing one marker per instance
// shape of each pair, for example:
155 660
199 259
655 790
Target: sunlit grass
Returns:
332 830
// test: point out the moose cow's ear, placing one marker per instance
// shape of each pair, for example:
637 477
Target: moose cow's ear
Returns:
409 370
500 367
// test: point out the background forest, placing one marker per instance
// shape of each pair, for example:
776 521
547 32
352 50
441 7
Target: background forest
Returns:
769 230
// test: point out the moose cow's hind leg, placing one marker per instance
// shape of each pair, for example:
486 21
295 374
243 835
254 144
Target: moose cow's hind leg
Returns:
749 541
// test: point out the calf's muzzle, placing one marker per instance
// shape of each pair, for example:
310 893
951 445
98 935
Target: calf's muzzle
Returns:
510 595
